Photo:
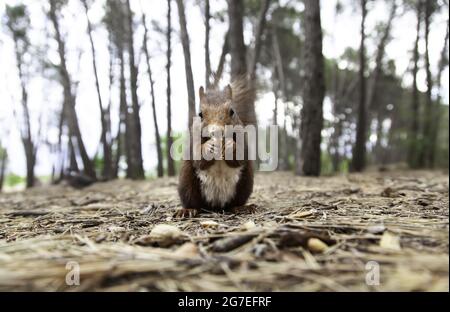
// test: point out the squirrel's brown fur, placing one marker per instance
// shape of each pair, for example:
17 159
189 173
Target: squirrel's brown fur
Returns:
217 185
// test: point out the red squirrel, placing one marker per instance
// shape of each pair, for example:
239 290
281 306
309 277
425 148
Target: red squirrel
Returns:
225 184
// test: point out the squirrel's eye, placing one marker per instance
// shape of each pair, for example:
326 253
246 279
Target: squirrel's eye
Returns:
231 112
200 115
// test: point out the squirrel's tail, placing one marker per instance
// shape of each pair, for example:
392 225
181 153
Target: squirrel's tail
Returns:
244 97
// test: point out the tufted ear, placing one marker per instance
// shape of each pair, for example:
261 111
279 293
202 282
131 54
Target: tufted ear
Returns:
201 93
228 92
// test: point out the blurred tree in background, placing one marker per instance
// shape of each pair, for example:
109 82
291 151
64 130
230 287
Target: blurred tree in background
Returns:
334 114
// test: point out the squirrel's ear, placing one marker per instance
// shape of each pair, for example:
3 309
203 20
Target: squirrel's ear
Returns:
201 93
228 92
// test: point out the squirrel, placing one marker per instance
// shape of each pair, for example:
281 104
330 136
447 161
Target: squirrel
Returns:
219 184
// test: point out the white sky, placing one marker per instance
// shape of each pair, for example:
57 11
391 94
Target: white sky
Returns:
45 97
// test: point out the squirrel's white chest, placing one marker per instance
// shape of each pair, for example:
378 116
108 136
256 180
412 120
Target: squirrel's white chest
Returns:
218 183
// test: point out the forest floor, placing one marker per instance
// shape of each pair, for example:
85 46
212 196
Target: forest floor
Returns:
307 234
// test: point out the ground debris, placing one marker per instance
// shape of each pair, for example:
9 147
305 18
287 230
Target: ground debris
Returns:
230 243
301 234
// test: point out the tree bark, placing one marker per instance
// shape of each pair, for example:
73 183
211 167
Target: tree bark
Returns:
437 112
3 160
313 92
225 50
260 27
25 129
187 61
359 150
278 81
426 154
107 170
236 39
123 136
413 149
379 56
208 70
73 164
72 120
371 98
160 168
137 169
279 63
170 162
108 109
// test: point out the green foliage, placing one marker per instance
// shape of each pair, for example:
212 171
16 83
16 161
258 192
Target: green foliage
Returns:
17 21
344 166
98 163
12 180
164 149
115 21
284 24
59 4
326 164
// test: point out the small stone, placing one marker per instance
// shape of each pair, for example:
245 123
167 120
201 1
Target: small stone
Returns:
166 235
249 225
188 250
376 229
316 245
390 241
209 224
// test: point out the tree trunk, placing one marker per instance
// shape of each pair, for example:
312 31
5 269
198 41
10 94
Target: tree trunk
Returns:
187 61
359 150
223 55
25 129
427 153
208 70
67 86
3 160
279 63
313 92
336 158
73 164
236 39
170 162
123 136
443 62
413 149
137 169
379 57
108 109
160 168
107 153
371 98
260 27
61 123
278 81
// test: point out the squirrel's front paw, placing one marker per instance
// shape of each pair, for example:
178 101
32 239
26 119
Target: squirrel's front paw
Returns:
229 149
212 150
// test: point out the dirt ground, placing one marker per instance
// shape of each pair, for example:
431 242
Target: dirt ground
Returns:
380 231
